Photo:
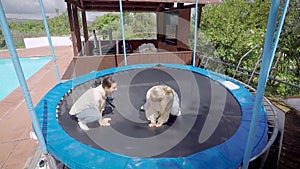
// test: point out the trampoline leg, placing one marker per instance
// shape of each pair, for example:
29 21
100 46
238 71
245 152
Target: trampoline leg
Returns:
51 161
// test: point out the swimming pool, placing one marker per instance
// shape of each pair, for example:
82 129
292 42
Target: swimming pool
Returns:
8 78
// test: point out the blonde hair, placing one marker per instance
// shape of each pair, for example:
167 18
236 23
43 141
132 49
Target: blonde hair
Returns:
159 105
159 92
168 90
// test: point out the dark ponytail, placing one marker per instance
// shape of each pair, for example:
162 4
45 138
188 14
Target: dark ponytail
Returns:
107 81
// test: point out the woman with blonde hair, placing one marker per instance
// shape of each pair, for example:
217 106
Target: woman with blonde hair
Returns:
161 101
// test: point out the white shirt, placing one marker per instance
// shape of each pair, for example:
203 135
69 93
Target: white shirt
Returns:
170 105
93 98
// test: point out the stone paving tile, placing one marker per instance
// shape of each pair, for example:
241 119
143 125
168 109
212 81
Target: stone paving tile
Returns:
15 123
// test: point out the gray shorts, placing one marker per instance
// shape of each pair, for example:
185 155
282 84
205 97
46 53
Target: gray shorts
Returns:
88 115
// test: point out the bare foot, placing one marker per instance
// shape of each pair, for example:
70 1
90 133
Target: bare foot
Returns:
105 122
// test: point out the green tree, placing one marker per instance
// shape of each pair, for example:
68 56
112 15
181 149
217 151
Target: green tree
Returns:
59 25
106 23
143 25
234 27
288 68
229 30
2 41
137 25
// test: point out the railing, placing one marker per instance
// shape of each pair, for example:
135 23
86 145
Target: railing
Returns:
272 116
204 63
240 61
273 121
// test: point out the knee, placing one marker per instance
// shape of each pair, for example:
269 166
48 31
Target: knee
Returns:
97 116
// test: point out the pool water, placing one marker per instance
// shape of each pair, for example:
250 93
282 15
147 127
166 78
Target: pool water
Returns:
8 78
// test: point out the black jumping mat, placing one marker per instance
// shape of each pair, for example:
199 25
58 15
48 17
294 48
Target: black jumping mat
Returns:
210 115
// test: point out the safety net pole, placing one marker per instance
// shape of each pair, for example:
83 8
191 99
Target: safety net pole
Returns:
268 56
280 24
49 39
15 59
123 32
195 32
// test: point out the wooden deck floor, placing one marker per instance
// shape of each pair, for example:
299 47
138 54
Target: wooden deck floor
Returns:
16 147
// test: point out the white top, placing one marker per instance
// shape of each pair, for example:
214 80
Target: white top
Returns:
93 98
171 103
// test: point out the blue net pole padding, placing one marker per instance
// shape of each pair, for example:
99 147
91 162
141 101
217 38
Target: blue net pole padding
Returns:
195 32
268 56
49 40
123 32
280 24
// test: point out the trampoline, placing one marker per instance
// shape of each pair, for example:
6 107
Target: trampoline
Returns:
211 132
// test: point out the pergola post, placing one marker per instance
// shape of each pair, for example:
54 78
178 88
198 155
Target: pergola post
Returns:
71 23
85 32
200 7
76 28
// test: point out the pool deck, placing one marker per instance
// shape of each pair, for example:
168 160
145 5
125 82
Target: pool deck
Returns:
16 146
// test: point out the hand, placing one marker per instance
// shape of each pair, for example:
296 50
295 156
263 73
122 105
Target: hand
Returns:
152 125
105 122
159 124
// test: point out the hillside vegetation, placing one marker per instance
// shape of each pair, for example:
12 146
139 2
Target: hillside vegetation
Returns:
227 32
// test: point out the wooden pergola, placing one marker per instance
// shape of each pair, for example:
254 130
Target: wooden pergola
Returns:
159 7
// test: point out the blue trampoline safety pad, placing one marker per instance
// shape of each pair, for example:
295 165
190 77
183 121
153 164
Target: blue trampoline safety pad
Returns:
76 154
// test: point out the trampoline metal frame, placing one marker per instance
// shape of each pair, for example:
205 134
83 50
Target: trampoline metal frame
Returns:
274 121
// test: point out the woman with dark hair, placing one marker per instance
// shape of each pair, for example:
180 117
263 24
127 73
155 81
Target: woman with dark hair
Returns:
89 106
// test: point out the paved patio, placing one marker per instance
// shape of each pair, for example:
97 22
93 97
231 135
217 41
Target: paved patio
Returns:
17 148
